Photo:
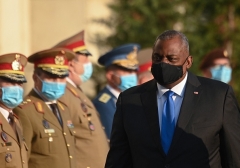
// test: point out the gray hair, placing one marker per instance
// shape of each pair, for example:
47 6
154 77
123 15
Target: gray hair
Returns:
169 34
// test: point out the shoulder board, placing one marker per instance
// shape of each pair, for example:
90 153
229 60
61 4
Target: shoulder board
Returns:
60 104
104 98
73 91
38 106
15 115
25 103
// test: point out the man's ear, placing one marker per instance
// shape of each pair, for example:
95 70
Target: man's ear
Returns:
109 75
189 61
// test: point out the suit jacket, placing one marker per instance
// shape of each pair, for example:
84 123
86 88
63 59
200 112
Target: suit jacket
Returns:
105 103
13 149
50 145
206 134
91 142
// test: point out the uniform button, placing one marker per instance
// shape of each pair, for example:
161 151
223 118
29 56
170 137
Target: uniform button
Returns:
68 145
74 132
7 148
64 133
23 161
70 157
88 167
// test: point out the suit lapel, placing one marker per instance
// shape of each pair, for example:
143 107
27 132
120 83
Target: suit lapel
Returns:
149 101
50 117
6 127
47 113
189 104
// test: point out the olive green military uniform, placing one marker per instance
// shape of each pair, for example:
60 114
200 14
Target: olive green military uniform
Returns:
13 149
91 142
50 145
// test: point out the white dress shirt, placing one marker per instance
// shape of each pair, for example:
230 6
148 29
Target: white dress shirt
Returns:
5 113
178 90
113 91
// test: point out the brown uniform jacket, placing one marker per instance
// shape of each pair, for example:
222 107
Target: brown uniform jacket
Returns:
91 141
50 145
13 149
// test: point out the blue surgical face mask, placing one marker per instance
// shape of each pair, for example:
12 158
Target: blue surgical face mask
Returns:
12 96
127 81
222 73
88 70
52 90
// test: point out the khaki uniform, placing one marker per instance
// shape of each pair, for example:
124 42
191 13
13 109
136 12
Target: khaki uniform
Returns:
13 149
91 142
50 145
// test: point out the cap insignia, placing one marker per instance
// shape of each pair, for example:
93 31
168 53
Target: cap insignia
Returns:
225 53
130 61
16 65
132 55
59 60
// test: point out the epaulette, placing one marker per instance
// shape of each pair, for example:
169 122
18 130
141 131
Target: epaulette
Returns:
73 91
15 115
38 106
104 98
60 104
25 103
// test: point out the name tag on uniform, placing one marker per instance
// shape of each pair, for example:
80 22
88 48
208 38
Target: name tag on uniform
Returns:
49 131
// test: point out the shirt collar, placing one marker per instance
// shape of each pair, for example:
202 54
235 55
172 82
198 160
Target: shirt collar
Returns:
178 89
4 112
113 91
71 82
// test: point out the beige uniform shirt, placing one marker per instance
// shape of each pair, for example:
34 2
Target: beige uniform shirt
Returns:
50 145
91 141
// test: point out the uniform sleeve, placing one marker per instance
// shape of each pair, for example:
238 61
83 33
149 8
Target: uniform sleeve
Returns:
230 134
27 127
119 155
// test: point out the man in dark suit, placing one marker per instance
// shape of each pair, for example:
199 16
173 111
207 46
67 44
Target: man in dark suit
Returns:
176 120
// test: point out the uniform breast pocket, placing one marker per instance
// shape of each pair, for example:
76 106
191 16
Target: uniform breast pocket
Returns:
7 157
47 139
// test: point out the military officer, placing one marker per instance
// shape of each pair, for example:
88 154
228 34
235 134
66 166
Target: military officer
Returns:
216 65
48 129
144 58
13 149
121 65
91 142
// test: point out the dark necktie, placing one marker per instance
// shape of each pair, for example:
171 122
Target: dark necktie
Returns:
56 112
168 121
12 122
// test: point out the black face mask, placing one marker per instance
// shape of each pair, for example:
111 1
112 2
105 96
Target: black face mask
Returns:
165 73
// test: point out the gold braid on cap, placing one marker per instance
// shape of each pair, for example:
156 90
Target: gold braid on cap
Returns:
130 61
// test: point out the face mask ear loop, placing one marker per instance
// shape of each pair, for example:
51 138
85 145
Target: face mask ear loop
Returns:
185 60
